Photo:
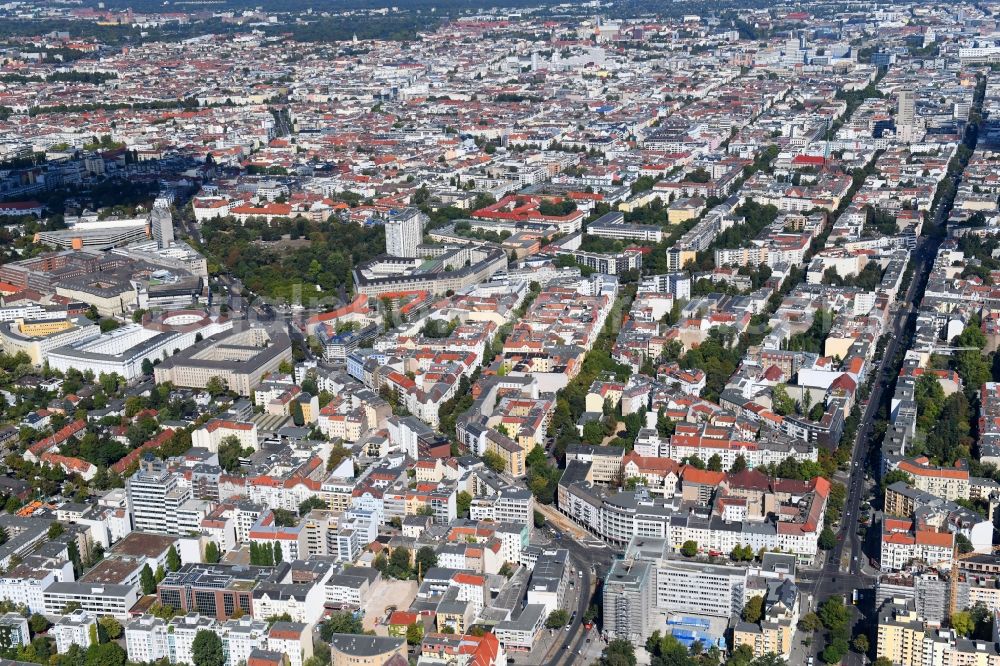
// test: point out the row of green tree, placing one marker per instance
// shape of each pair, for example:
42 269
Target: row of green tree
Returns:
403 565
571 401
148 579
868 279
265 554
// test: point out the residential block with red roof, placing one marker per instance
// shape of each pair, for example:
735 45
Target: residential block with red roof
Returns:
903 542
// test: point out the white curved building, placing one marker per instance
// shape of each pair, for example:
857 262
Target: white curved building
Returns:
39 338
123 350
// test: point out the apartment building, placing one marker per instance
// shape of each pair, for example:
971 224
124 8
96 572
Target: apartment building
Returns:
510 505
212 433
155 497
293 639
901 633
146 639
629 594
549 580
73 629
774 632
950 483
903 541
678 284
14 628
404 232
519 633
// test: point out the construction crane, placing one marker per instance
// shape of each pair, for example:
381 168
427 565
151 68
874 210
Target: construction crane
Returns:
957 557
826 144
946 349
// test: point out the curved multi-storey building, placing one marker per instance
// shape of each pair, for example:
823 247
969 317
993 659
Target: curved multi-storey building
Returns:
123 350
38 338
446 268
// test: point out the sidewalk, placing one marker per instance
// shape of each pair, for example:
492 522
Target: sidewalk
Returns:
562 522
550 641
547 646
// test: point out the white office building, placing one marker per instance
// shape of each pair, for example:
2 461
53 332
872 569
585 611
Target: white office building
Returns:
404 232
613 225
106 599
123 350
678 284
161 224
698 588
155 498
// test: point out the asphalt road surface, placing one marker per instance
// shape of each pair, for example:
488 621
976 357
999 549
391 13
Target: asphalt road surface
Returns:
843 570
582 558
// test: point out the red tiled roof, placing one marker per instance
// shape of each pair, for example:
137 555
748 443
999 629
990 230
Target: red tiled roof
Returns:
702 476
468 579
67 463
134 455
58 438
402 618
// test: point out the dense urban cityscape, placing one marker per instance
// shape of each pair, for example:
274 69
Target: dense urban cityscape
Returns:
341 334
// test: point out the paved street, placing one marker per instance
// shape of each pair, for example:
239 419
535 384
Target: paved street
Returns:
843 570
585 551
582 558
